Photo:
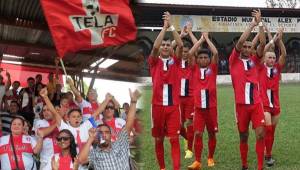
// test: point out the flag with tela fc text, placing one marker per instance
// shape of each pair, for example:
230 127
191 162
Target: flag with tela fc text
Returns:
85 24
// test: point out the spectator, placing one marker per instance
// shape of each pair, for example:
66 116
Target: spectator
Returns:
26 95
126 109
115 124
4 86
11 95
7 117
66 159
102 156
57 95
50 146
22 146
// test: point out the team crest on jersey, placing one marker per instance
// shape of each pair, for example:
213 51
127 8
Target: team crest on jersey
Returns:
171 62
208 71
275 71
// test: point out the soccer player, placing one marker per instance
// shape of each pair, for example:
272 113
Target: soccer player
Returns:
186 91
164 68
269 72
205 72
248 105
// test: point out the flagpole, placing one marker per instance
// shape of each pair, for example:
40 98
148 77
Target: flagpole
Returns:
63 67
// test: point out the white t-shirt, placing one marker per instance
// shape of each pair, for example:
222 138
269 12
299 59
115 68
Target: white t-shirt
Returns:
87 108
50 145
24 145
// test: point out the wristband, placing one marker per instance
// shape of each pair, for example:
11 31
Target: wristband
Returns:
133 101
172 28
260 24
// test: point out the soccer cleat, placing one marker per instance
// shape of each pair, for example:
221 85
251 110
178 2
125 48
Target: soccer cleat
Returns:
188 154
245 168
210 162
195 166
270 161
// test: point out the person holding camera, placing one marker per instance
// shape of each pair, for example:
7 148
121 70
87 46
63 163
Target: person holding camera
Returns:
105 154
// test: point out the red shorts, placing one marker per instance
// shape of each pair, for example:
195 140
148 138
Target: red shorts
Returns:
186 108
206 117
273 111
249 112
165 121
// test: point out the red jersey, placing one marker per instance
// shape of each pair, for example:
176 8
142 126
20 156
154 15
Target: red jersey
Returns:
269 78
244 76
165 79
205 91
186 77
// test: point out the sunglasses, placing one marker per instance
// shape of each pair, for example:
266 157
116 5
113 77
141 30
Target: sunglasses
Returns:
59 139
109 107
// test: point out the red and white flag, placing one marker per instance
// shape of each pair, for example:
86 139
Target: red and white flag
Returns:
85 24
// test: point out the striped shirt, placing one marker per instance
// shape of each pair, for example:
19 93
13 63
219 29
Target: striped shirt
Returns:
117 158
6 119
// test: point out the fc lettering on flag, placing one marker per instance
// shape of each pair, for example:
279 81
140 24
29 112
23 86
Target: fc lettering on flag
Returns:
85 24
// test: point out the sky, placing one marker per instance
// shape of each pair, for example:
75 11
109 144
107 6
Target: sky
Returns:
237 3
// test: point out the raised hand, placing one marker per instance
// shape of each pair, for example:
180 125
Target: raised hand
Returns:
189 26
70 82
108 96
280 33
44 92
134 96
76 163
55 163
256 14
92 133
167 19
205 35
184 32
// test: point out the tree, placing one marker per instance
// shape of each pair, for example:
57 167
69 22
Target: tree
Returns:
282 3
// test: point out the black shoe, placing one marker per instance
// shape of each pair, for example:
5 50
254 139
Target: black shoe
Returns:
270 162
244 168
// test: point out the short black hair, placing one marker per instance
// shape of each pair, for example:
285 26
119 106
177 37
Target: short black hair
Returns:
16 82
105 125
30 78
74 110
204 51
14 101
167 39
38 75
187 44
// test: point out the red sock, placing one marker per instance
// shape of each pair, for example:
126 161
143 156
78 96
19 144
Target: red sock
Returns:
190 137
268 140
244 153
273 136
212 141
159 150
198 146
175 151
260 146
183 132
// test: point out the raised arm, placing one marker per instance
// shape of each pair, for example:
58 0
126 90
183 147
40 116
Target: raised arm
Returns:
56 68
8 81
45 131
190 32
282 56
262 36
84 152
159 38
77 94
183 34
39 145
212 48
247 32
176 36
196 46
271 44
134 96
102 106
50 106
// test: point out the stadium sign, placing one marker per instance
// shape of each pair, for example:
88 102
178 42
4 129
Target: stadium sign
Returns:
234 23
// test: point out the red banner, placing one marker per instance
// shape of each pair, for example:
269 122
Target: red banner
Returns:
86 24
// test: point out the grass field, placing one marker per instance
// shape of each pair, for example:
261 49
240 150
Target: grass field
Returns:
287 142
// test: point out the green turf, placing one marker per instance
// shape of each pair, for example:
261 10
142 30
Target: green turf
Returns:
286 148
